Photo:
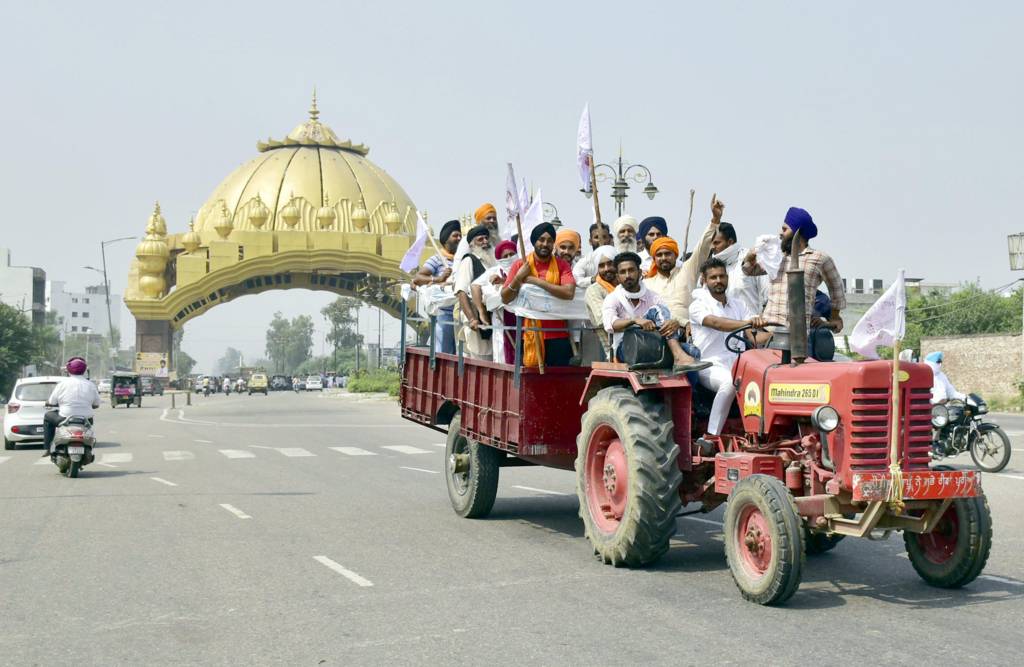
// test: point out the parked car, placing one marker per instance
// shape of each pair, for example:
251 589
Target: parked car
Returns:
314 383
23 421
280 383
152 386
103 386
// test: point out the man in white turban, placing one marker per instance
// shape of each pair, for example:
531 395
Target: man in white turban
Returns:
624 230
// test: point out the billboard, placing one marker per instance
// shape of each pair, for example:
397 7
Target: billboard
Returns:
152 363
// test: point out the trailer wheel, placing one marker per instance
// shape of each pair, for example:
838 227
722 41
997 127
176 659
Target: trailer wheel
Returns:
764 540
627 478
473 490
956 550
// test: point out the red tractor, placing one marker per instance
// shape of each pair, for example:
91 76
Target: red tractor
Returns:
806 458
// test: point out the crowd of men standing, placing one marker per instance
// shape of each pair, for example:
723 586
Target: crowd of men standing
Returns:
636 276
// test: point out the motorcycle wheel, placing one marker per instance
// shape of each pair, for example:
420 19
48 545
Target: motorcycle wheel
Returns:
991 450
73 469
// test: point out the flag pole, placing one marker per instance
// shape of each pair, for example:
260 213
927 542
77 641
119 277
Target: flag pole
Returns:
895 496
538 343
593 189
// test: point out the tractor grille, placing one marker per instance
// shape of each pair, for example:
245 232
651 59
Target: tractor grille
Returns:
869 439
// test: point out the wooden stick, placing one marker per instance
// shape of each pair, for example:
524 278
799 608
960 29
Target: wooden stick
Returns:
689 219
593 188
895 496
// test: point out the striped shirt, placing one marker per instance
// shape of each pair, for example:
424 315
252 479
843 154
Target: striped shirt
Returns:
818 268
437 264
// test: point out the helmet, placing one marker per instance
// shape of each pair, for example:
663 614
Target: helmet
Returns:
76 366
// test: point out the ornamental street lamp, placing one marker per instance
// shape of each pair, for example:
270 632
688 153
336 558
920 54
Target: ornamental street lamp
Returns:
1015 244
620 173
551 214
106 284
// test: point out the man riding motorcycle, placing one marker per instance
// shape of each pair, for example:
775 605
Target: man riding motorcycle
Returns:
942 389
74 396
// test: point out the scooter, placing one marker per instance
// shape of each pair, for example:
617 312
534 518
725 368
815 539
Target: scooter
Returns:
72 447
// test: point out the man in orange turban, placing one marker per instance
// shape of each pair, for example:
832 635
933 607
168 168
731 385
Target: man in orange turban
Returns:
567 245
487 216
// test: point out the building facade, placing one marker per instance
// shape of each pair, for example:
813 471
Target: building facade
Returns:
83 312
23 287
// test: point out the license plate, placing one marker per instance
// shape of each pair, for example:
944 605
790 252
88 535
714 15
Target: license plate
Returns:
76 450
919 485
37 429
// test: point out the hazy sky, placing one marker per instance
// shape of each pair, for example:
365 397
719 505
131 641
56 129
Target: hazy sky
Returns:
898 125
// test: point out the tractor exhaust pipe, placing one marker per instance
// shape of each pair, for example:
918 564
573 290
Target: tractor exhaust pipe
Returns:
797 306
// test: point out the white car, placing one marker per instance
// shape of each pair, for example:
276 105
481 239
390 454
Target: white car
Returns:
23 421
314 382
103 386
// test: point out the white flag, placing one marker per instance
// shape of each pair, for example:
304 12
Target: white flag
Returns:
411 260
884 323
534 216
524 199
511 204
584 148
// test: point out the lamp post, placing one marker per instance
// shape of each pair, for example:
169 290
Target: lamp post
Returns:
106 284
620 172
1015 244
551 214
380 353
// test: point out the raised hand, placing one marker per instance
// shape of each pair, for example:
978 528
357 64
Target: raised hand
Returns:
717 208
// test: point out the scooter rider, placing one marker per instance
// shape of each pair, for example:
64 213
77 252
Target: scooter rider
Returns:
942 389
74 396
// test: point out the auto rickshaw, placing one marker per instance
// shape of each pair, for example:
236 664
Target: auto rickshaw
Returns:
125 389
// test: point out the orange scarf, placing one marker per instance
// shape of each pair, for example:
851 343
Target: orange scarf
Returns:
533 342
608 287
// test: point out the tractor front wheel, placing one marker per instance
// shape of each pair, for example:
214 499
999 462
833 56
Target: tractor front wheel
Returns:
954 553
764 540
627 477
471 471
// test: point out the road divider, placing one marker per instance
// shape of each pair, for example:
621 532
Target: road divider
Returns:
343 571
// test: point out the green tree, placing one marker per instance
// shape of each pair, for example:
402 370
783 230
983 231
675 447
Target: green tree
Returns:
342 314
229 363
968 311
289 343
16 346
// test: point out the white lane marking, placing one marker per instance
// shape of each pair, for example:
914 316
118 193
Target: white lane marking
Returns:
237 453
116 457
999 475
152 435
163 416
343 571
432 472
205 442
530 488
405 449
109 465
42 462
178 455
261 447
295 451
708 521
163 481
4 458
234 510
442 445
354 451
1001 580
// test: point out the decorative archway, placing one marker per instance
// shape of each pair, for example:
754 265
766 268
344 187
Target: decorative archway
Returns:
309 212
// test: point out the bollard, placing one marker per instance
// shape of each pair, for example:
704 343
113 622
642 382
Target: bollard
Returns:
188 398
172 399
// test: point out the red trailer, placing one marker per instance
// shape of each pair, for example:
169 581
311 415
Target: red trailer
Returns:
805 459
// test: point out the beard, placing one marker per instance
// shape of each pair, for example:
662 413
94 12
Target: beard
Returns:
485 255
627 245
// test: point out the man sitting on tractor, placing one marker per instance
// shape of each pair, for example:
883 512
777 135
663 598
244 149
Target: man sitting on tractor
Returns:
632 304
712 315
604 283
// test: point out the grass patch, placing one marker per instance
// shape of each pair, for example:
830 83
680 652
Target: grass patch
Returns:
385 382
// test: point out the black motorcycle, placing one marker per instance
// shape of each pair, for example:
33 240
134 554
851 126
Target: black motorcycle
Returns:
959 428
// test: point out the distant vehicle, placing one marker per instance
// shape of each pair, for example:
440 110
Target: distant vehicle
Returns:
151 386
126 389
313 382
280 383
72 445
103 386
23 421
258 383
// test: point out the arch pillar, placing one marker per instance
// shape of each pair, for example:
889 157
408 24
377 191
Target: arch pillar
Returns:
155 336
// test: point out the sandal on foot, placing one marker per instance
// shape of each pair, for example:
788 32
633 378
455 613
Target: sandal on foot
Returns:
691 367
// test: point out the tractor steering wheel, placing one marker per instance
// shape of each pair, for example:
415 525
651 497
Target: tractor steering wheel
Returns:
736 342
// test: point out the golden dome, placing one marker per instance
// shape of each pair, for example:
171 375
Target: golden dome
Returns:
296 173
191 241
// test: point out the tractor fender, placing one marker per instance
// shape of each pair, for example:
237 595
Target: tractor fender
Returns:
637 381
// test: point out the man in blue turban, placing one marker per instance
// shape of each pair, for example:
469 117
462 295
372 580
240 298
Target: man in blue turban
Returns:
649 231
817 266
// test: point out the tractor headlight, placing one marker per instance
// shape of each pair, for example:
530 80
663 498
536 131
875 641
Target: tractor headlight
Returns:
940 415
825 418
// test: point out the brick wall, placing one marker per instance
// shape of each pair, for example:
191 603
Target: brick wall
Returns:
986 364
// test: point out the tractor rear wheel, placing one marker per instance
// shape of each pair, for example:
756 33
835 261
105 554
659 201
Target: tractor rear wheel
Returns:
471 471
627 477
764 540
954 553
